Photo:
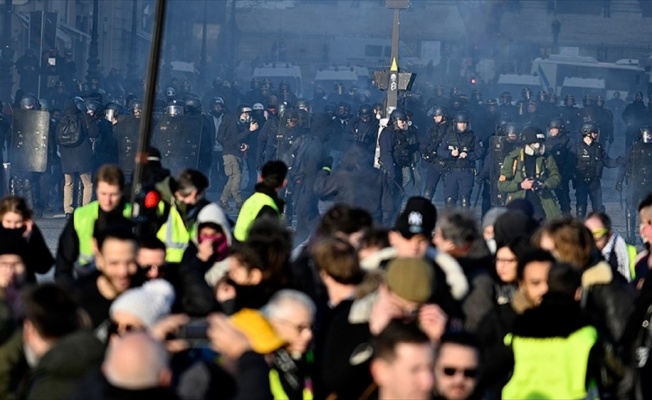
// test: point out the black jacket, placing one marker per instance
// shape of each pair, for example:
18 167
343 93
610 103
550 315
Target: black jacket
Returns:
464 142
232 134
79 158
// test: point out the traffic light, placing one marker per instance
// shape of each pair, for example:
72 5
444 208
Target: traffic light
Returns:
145 212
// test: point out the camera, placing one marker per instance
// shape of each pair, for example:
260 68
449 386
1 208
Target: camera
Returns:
194 332
537 186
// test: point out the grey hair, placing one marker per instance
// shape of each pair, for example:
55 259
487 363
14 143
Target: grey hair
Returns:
275 306
135 362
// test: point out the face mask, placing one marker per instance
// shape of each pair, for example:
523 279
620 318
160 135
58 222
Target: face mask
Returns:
491 245
530 150
246 119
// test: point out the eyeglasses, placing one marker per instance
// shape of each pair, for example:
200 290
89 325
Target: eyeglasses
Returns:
469 373
121 329
300 328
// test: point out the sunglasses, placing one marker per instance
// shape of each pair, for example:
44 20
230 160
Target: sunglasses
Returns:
599 233
119 330
469 373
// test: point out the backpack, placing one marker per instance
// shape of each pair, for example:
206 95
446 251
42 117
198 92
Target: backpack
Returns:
71 131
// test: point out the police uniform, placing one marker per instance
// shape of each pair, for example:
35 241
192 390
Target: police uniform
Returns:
461 170
560 147
436 167
590 160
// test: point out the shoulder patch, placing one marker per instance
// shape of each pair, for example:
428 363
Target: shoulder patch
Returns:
502 178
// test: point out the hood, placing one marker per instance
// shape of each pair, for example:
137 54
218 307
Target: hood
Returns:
213 213
70 108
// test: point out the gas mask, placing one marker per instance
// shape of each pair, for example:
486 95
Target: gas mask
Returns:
535 149
245 118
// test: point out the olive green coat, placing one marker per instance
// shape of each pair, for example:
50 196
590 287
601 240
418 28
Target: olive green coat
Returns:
512 174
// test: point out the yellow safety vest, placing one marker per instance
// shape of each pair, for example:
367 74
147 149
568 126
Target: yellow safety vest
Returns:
550 368
83 220
631 253
174 234
277 387
249 212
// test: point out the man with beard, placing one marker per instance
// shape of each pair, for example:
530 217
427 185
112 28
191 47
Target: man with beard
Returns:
217 111
116 272
457 367
529 173
76 240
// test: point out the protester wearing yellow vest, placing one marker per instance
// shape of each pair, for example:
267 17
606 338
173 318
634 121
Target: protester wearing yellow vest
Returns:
552 344
264 201
76 240
618 253
184 198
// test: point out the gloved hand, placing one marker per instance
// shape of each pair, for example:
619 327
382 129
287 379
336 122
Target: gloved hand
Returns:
619 186
327 163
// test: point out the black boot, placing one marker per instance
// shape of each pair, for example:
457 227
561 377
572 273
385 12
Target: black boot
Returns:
581 212
465 203
27 193
451 202
14 186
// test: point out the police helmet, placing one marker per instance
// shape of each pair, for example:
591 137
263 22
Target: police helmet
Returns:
255 83
599 101
542 96
170 92
439 90
28 102
461 117
217 100
244 108
302 103
455 91
217 82
79 103
365 110
397 115
112 110
556 123
506 97
258 107
646 134
569 100
587 100
136 107
192 106
344 105
291 116
588 128
510 130
93 107
492 102
175 108
44 104
439 111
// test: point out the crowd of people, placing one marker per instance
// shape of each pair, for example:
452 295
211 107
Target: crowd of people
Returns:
323 269
191 304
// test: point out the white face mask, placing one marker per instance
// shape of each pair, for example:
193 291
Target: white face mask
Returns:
491 245
535 149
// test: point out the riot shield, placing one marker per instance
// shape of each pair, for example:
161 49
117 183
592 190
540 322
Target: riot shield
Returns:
178 139
125 132
28 146
498 149
639 172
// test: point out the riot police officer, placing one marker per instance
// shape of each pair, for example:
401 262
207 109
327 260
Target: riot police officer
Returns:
460 149
506 108
560 146
206 135
104 147
605 119
571 114
411 173
634 117
590 160
636 171
505 140
436 167
364 129
395 152
28 151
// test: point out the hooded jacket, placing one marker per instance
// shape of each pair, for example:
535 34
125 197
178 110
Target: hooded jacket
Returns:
80 157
